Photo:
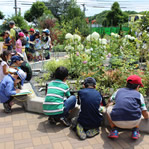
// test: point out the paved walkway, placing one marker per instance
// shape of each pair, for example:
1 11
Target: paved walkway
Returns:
23 130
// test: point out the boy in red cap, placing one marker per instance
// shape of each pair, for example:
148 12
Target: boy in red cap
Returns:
128 107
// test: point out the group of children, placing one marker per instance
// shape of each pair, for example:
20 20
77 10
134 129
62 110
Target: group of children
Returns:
30 43
38 46
124 108
14 71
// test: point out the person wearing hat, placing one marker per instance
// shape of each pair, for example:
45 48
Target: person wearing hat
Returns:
31 41
27 40
19 46
128 107
13 29
8 88
46 43
7 42
17 61
90 117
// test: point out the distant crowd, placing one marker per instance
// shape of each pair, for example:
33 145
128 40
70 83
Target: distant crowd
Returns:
31 44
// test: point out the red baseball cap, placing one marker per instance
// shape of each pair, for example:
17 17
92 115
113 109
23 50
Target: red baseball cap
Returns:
134 79
31 30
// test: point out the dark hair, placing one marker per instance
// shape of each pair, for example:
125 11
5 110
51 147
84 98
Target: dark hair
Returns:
2 34
89 84
4 54
131 86
61 73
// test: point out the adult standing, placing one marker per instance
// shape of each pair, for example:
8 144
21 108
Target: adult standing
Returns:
13 33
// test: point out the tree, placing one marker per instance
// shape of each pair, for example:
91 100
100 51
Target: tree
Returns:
58 7
115 16
75 18
1 15
36 11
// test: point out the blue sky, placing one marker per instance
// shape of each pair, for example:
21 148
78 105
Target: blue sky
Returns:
92 6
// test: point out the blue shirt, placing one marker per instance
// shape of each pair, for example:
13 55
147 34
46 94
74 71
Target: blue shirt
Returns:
7 40
129 104
32 37
7 88
90 116
27 44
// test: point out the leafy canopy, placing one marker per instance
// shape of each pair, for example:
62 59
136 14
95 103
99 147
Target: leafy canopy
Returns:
36 11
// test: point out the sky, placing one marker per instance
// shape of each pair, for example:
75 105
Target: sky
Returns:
92 6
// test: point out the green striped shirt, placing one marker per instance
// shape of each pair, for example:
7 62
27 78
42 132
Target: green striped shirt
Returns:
54 101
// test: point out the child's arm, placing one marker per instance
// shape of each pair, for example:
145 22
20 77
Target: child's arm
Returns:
143 107
145 114
5 70
9 91
111 99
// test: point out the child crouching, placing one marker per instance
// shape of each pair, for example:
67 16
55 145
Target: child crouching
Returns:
89 118
7 88
54 105
129 105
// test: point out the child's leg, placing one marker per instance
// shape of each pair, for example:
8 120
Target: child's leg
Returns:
69 104
7 106
114 132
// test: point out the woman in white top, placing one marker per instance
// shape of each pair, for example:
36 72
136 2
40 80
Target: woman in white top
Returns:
4 58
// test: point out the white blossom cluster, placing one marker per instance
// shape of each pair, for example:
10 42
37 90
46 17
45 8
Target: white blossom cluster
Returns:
115 35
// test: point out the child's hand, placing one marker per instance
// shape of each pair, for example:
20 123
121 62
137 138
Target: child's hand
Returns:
17 90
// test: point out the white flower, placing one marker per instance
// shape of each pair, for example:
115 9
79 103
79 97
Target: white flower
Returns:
76 37
130 37
115 35
69 47
127 36
103 41
68 36
89 38
80 47
95 36
148 35
88 50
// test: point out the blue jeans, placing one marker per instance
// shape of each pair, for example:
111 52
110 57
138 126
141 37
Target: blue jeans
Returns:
69 104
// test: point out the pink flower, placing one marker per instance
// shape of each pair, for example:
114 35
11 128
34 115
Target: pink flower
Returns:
84 62
77 54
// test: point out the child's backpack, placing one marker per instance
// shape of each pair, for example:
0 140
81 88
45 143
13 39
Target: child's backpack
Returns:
17 30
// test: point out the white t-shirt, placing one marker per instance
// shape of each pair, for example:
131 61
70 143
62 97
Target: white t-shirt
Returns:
2 75
46 45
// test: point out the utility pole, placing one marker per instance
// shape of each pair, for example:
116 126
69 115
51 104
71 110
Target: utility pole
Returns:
84 8
15 7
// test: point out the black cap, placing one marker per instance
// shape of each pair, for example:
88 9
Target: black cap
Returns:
11 22
90 80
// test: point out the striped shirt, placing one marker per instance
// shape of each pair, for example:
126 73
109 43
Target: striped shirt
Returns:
54 101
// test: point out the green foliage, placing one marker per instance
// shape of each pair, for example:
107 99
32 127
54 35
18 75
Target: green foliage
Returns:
1 15
43 79
58 7
59 48
51 66
36 11
116 16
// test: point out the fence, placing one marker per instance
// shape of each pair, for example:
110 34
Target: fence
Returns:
109 30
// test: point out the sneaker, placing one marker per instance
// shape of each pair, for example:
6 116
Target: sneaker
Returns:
80 132
7 108
135 135
92 132
52 120
65 121
113 134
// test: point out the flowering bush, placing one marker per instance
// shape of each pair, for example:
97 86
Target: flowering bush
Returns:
109 60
